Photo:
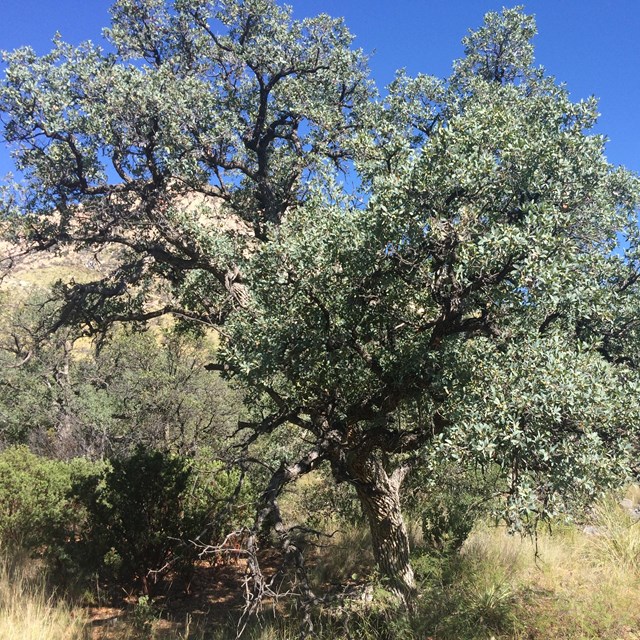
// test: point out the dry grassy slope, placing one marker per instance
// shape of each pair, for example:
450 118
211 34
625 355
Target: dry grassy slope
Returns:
41 270
34 274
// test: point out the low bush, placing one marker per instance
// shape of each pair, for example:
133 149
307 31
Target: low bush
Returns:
154 511
122 520
39 511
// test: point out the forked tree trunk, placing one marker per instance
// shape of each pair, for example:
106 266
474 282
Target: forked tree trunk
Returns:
379 494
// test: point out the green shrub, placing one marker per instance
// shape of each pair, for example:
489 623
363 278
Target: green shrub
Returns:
136 515
448 503
38 511
120 520
150 507
143 615
217 499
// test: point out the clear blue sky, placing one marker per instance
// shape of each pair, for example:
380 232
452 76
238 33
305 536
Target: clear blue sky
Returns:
592 45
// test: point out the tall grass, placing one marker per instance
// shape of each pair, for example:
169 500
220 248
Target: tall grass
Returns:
617 538
28 612
567 585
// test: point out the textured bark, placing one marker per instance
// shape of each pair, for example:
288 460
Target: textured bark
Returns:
379 495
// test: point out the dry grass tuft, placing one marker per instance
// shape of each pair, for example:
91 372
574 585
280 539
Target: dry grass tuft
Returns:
28 613
567 584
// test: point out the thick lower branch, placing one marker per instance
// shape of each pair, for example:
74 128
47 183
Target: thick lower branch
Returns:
270 517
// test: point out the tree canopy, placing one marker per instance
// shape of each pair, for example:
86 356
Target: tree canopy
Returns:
477 295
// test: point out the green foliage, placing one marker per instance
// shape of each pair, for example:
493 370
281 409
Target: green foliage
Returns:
483 281
32 371
217 499
245 115
137 513
480 280
448 500
143 615
152 390
37 507
65 399
500 50
149 508
121 520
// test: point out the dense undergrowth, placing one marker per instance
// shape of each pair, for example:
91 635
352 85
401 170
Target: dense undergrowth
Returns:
79 538
566 584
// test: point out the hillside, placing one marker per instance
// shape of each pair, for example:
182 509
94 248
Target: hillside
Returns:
25 273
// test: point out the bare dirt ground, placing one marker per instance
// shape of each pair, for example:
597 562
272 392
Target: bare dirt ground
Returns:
214 596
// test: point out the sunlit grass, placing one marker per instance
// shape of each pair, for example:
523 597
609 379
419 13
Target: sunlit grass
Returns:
566 585
29 612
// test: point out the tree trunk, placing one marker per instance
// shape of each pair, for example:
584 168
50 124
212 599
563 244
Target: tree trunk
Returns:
379 495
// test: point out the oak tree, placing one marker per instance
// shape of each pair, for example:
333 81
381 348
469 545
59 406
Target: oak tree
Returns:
477 295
